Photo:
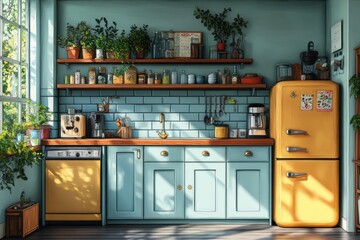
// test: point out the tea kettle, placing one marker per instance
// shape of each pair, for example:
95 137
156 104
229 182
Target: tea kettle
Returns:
256 120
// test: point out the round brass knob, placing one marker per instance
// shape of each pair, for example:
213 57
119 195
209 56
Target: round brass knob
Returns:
164 153
205 153
248 153
179 187
189 187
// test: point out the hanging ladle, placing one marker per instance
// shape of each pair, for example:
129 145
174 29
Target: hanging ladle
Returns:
206 117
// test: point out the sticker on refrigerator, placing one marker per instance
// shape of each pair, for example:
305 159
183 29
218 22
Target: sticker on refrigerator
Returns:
306 101
324 100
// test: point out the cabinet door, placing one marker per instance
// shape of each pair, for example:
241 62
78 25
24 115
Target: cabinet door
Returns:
205 190
125 182
248 191
164 193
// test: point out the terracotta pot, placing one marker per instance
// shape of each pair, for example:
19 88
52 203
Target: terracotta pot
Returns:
110 55
45 131
86 54
73 52
140 54
220 46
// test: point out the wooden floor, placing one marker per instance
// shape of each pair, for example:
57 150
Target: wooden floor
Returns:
262 232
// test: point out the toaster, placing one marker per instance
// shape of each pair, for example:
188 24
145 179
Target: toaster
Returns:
73 126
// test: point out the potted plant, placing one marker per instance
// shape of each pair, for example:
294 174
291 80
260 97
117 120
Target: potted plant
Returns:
111 33
122 47
221 28
37 116
14 157
105 36
87 40
71 41
140 40
118 75
238 45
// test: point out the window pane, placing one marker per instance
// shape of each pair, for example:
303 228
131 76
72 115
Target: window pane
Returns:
23 45
10 10
10 113
23 12
23 81
10 41
10 79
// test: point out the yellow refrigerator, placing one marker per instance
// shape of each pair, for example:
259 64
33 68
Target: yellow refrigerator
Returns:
304 121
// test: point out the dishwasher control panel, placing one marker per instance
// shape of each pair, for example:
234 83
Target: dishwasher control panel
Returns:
73 153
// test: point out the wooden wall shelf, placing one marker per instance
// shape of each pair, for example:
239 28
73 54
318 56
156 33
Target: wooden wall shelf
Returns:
156 61
162 86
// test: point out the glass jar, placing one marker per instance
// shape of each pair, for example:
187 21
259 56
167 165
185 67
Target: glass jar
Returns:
283 72
183 77
150 79
102 75
110 78
131 75
67 79
166 77
142 77
157 78
174 76
77 77
92 75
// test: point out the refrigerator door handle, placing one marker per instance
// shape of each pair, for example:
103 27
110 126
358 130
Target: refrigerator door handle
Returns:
296 132
296 149
295 175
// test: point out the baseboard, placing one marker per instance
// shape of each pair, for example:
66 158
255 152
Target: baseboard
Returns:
343 224
2 230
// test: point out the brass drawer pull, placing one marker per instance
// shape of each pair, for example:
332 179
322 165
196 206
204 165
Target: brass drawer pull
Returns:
179 187
205 153
138 153
248 153
189 187
164 153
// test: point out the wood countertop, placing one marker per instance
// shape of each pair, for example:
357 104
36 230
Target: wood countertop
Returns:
158 141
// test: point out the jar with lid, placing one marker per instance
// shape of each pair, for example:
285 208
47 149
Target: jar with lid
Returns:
72 79
183 77
102 75
283 72
170 45
77 77
131 75
67 79
174 76
150 78
142 77
157 78
110 78
92 75
166 77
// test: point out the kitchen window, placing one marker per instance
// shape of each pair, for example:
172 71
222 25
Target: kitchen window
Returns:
14 60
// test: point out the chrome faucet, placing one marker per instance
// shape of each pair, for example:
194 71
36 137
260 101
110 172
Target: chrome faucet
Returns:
162 134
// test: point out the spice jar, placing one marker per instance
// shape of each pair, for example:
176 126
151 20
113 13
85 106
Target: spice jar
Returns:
157 78
92 75
150 79
72 79
142 77
110 78
166 77
77 77
67 79
102 75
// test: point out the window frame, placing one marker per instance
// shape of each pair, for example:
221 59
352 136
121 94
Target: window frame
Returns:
17 62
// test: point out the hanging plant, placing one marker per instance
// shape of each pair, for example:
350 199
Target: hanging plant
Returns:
354 84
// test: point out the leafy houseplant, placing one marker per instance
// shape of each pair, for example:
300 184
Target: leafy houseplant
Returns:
221 28
122 47
37 116
87 40
140 40
14 157
111 37
71 41
105 35
355 91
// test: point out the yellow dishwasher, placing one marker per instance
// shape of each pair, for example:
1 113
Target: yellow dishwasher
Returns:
72 184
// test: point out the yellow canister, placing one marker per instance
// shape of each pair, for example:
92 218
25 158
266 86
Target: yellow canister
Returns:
221 131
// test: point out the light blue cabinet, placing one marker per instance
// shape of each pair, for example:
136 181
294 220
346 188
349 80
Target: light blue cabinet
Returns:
205 190
248 182
163 190
125 182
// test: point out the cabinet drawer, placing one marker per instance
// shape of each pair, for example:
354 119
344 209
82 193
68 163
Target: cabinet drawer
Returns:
163 154
204 154
248 153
